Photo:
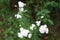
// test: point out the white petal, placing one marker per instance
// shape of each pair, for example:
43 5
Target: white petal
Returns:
41 30
38 23
31 28
33 25
21 4
21 29
42 16
21 9
45 26
18 16
25 32
29 36
20 35
47 30
42 26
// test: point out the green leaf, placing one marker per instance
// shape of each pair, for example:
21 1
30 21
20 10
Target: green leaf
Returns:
43 12
50 22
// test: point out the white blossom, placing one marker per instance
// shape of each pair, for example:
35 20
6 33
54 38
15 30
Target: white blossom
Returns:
29 36
38 23
21 4
20 35
43 29
42 16
47 30
21 9
45 26
18 16
21 29
32 26
25 32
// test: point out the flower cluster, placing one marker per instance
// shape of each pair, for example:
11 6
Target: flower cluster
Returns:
18 16
21 5
43 29
24 33
32 26
21 9
38 23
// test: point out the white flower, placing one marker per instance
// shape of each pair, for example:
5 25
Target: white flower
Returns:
25 32
21 29
43 29
42 16
47 30
32 26
21 4
21 9
38 23
29 36
45 26
18 16
20 35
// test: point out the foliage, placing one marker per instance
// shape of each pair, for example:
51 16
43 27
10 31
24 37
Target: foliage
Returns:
9 24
